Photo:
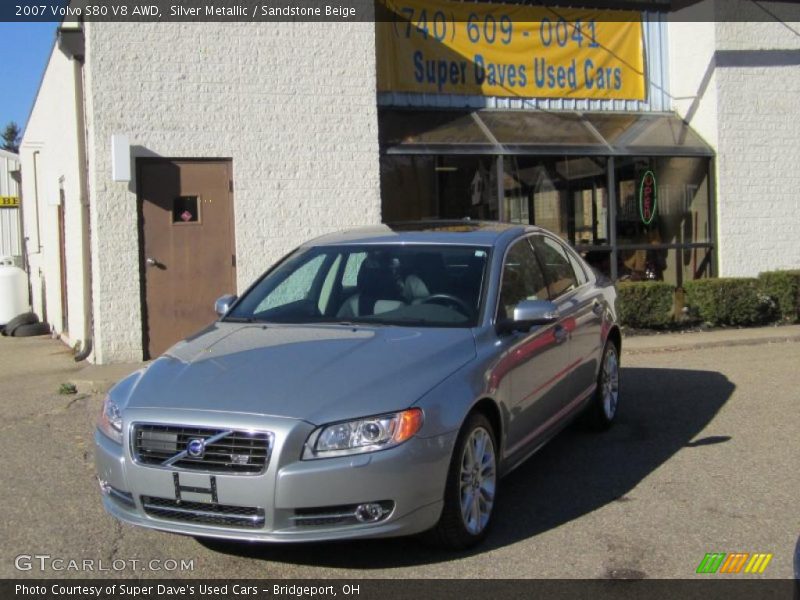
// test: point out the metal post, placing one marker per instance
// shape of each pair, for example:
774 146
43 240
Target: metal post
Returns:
501 205
713 207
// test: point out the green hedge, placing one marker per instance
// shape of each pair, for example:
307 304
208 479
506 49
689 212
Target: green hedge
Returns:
784 289
731 301
645 304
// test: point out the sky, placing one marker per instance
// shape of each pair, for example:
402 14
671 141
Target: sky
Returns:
24 50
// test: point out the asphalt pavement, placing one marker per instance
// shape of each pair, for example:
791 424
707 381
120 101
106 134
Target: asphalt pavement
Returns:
703 459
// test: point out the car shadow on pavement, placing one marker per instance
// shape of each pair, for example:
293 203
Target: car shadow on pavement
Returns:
662 411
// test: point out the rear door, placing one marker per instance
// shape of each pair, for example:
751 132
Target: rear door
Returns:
580 309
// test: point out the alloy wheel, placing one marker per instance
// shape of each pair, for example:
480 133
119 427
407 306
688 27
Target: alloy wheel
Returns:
610 383
478 480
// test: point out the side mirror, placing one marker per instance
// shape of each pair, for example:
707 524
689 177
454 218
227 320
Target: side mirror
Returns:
223 304
529 313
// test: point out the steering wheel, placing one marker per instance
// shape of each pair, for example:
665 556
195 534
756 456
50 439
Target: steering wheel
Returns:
455 301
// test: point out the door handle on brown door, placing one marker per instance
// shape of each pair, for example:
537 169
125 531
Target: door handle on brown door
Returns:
152 262
560 333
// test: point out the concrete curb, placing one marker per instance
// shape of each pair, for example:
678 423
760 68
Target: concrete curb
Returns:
632 346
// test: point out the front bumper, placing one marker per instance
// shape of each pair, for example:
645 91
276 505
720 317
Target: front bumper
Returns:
410 478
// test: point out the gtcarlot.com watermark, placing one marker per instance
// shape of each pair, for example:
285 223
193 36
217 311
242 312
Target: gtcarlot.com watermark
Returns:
47 562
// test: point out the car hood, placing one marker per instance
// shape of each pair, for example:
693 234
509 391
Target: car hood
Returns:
317 373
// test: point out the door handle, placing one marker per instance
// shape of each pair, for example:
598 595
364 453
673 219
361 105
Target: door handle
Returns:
152 262
560 333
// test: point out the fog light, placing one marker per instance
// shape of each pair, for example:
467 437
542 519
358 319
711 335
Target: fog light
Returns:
368 513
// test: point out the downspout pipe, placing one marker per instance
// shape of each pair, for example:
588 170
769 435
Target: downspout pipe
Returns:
71 41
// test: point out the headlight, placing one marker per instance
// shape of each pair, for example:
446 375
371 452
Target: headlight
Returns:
110 421
363 435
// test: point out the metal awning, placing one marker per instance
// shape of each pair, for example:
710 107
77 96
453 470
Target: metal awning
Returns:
538 133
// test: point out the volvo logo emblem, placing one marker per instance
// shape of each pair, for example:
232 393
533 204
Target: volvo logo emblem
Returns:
196 448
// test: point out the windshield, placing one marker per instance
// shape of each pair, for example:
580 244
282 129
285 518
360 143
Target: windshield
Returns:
391 284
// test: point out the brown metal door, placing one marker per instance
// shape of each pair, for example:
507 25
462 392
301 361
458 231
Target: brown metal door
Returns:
188 246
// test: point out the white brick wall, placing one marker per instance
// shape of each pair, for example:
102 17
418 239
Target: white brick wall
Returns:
51 135
293 105
759 129
750 113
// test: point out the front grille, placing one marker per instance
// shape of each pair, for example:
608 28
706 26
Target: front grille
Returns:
204 514
237 452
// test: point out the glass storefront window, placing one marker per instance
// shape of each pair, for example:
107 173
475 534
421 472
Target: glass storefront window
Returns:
565 195
599 260
663 205
438 187
662 200
675 265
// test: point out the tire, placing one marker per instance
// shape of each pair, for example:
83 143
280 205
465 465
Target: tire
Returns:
455 531
23 319
604 405
32 329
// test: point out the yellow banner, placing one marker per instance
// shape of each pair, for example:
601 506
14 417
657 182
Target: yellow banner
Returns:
443 47
9 201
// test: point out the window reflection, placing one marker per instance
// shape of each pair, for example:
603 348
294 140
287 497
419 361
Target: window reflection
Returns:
675 265
438 187
681 202
662 207
567 196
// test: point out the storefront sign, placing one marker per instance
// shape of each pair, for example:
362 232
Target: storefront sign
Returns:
444 47
648 198
9 201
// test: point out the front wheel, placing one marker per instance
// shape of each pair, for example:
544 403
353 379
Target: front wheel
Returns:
602 411
471 487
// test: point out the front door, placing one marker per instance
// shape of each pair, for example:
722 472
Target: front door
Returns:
188 246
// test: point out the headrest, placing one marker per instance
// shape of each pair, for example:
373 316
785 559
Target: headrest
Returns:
376 280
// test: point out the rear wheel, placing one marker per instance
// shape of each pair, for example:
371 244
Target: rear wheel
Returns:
471 487
602 411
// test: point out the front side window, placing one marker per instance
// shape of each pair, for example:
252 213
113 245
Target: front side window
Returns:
389 284
522 280
557 267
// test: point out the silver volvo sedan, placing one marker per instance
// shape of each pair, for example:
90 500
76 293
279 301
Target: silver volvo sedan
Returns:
376 382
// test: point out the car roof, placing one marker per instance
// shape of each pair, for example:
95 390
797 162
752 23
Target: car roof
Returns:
466 232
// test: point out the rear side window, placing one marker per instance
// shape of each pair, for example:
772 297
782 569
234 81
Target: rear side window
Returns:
351 268
580 274
558 270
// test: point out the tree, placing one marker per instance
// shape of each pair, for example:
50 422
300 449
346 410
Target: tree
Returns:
11 137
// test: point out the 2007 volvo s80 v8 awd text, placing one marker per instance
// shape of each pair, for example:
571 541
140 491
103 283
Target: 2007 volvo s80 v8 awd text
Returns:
376 382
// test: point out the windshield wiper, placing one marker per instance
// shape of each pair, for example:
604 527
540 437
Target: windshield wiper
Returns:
348 323
238 320
402 322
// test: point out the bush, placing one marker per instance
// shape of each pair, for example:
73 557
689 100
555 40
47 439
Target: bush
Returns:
644 304
784 288
731 301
